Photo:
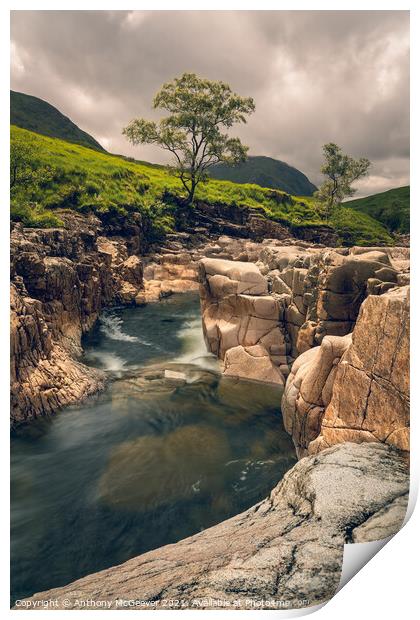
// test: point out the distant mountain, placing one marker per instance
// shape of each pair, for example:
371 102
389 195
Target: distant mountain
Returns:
391 208
267 172
37 115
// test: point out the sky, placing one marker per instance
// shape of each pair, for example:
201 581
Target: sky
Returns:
315 76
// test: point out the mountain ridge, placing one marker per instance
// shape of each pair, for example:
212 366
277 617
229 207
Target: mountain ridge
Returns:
35 114
266 172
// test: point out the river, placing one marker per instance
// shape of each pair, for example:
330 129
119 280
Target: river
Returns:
168 449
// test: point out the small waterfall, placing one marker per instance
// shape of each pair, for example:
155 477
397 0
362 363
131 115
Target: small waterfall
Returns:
194 350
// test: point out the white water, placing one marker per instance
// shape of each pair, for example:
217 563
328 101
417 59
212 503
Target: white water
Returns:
111 327
108 361
194 350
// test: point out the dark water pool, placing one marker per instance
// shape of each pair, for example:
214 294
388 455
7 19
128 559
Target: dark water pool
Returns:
170 448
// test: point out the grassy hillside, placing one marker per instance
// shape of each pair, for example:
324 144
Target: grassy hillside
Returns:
266 172
38 115
85 180
392 208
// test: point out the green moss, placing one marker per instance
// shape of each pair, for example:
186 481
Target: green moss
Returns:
86 180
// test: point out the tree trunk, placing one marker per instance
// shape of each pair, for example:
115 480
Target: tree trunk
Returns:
191 193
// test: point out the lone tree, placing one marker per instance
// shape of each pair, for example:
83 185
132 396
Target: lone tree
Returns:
341 171
199 111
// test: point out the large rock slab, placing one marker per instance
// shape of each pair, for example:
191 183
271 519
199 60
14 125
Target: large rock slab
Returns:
251 362
285 551
242 277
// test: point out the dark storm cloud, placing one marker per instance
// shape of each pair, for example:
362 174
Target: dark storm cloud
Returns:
316 76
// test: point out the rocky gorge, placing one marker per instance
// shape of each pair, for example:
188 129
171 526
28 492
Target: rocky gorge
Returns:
330 325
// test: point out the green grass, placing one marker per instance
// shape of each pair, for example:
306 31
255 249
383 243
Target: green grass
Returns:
86 180
391 208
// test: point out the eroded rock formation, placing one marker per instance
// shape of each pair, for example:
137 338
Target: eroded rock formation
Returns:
168 273
61 279
258 318
241 320
285 550
356 387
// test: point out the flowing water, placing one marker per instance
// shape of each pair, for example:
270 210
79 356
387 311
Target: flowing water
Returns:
169 449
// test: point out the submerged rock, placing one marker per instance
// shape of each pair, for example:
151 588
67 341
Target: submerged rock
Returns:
247 395
175 375
152 471
161 383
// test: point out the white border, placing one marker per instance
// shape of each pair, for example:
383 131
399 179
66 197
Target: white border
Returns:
386 586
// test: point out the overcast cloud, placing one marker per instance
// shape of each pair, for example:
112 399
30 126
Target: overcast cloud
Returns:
315 76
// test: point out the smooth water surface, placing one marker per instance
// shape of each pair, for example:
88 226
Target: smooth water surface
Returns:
169 448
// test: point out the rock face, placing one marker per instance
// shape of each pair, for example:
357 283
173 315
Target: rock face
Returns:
247 223
283 552
44 373
61 278
326 288
166 273
356 387
241 320
258 318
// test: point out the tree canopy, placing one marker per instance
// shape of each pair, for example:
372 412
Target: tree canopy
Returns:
341 171
194 132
